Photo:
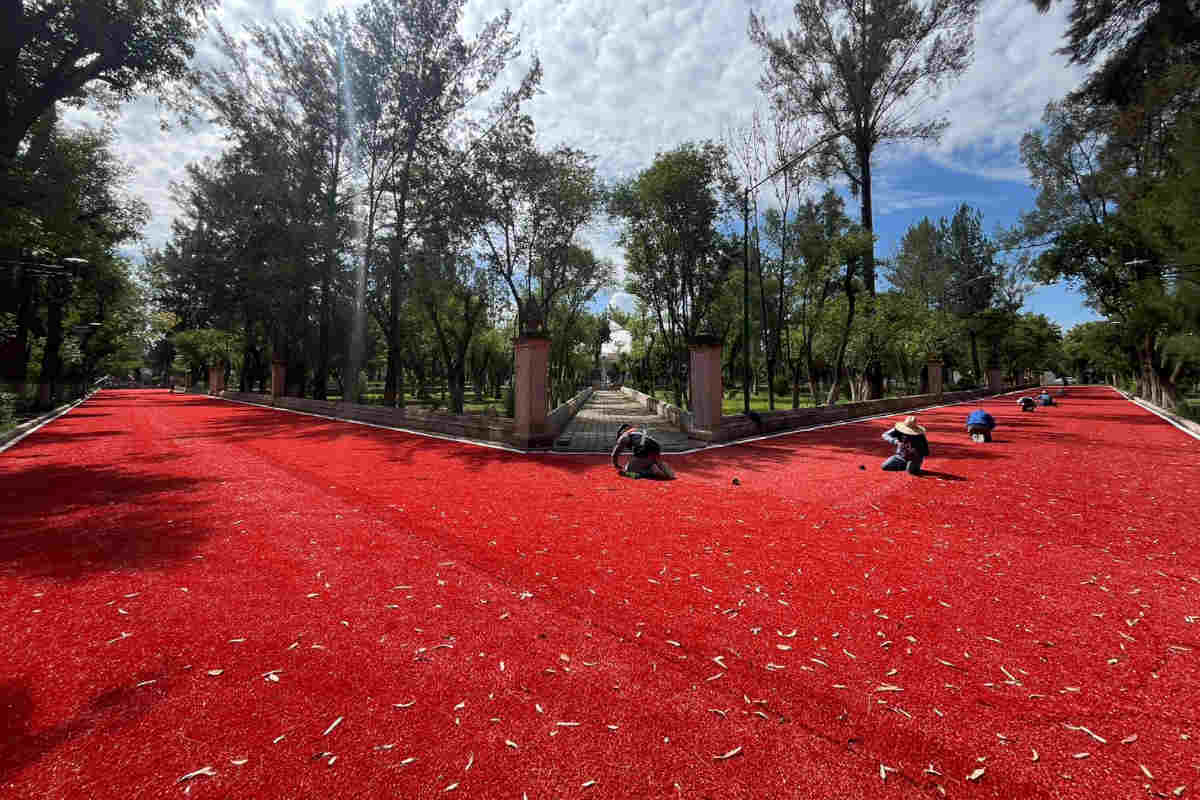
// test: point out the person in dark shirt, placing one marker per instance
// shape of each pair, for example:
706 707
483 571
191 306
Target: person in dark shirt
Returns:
645 460
912 448
980 425
1027 404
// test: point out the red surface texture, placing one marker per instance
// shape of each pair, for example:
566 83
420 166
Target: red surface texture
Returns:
194 585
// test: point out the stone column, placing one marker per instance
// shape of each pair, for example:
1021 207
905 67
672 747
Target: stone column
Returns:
995 380
935 377
278 378
532 399
704 385
216 379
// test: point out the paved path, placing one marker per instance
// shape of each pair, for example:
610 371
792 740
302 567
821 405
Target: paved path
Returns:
594 428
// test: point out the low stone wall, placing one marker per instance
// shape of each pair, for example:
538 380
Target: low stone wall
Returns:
247 397
673 414
741 427
469 426
559 417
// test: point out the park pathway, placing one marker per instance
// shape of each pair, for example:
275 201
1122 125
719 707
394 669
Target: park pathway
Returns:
594 427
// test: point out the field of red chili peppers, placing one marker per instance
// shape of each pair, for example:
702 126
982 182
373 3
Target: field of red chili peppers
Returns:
205 599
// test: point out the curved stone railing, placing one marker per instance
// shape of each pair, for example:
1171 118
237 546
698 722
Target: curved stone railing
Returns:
557 419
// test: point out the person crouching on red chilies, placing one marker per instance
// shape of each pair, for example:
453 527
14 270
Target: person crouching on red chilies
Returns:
912 448
645 460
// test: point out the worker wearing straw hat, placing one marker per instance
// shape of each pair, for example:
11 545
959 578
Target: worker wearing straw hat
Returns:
912 448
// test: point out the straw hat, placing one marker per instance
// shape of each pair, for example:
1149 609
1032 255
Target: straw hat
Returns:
910 426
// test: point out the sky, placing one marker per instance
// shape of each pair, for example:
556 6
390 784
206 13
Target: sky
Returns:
626 79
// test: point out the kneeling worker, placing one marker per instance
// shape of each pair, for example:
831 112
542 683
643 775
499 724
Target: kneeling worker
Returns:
1027 404
980 425
912 448
646 459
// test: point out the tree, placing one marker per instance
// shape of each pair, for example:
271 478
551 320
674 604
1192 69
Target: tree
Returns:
676 258
1086 219
761 147
418 76
67 50
973 278
279 94
856 68
1141 40
819 229
76 208
534 206
1095 350
1033 343
921 268
453 290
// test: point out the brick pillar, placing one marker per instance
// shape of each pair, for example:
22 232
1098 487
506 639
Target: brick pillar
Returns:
216 379
278 378
704 384
995 380
935 377
532 397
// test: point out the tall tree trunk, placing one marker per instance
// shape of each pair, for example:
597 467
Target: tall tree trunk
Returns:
1155 382
975 354
389 377
51 357
321 379
393 353
839 364
874 365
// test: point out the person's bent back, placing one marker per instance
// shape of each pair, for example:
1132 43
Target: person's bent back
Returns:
645 460
980 425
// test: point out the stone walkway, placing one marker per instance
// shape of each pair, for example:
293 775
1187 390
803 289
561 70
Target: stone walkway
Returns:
594 427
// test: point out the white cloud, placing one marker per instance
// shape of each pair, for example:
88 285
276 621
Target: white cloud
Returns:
623 301
625 79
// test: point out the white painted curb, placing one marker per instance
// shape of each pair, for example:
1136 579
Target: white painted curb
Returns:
38 424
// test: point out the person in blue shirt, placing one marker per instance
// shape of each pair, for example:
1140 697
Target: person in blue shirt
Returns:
645 460
1044 399
980 425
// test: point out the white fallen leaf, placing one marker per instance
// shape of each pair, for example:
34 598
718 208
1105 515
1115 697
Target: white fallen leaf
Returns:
333 725
729 754
208 771
977 774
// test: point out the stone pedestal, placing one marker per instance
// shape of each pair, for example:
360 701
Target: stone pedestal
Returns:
278 378
995 380
216 379
531 396
704 383
935 377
